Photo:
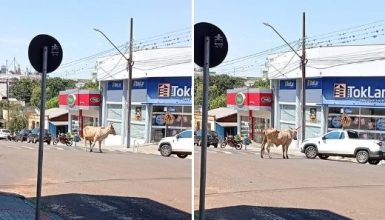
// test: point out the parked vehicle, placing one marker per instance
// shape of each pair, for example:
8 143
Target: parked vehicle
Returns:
180 144
22 135
34 136
5 134
212 138
64 139
232 142
344 143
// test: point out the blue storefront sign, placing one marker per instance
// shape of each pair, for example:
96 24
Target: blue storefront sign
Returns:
314 83
139 84
287 84
354 91
115 85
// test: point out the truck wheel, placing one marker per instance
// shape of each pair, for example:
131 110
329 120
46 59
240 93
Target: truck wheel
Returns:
182 155
323 157
374 161
362 156
165 150
310 152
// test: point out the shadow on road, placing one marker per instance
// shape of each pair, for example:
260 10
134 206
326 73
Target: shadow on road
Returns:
84 206
260 212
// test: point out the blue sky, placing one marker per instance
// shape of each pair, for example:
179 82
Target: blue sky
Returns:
71 23
241 21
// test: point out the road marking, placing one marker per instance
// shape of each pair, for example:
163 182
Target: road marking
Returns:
27 147
14 147
226 152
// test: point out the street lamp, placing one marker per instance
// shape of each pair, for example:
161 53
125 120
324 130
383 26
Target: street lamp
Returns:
303 67
129 83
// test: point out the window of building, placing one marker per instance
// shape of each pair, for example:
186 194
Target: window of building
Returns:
114 115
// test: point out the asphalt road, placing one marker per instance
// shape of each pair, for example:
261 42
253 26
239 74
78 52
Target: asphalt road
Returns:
241 185
110 185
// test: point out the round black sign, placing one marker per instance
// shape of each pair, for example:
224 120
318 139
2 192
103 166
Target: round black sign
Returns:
218 44
35 52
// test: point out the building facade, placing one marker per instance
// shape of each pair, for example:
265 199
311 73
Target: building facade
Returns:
161 84
346 79
253 110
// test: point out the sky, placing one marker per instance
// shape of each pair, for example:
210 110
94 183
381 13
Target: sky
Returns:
71 22
241 22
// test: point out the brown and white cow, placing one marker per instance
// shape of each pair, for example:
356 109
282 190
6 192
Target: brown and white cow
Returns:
94 134
277 137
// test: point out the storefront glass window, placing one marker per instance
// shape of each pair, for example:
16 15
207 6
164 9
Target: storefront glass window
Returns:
182 120
114 115
114 111
368 122
138 113
313 114
288 113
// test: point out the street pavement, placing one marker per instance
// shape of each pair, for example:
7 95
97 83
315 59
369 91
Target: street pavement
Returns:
241 185
71 191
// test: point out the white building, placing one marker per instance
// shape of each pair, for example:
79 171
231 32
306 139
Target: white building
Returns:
349 79
162 82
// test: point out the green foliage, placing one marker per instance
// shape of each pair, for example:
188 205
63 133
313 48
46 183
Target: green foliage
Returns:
28 90
91 85
36 97
217 89
219 101
17 123
18 119
52 103
262 84
22 89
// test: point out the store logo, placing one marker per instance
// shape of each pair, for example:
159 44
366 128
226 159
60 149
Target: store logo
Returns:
240 99
166 90
340 90
266 100
71 100
94 100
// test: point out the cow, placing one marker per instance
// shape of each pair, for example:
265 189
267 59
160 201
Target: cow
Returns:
277 137
94 134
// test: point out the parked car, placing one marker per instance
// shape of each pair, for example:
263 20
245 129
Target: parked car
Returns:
180 144
35 133
344 143
212 138
4 134
22 135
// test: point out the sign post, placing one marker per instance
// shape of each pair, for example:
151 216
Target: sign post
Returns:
45 55
214 44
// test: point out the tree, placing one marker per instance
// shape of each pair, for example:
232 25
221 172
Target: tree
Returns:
262 83
22 89
36 97
219 84
52 103
91 85
56 84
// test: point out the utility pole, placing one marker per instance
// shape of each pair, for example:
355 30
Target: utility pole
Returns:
130 63
8 122
303 68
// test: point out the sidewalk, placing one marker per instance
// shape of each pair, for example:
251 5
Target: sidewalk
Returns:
16 207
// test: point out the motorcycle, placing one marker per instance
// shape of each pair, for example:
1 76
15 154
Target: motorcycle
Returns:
232 142
64 139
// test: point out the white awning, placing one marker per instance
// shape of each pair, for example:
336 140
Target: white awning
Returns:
59 123
228 124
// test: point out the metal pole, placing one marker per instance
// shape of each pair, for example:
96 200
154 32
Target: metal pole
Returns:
204 127
129 85
303 66
42 119
8 122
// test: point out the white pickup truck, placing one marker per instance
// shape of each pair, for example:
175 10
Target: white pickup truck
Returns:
344 143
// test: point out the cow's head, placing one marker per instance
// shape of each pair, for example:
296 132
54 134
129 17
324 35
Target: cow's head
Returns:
111 129
294 132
